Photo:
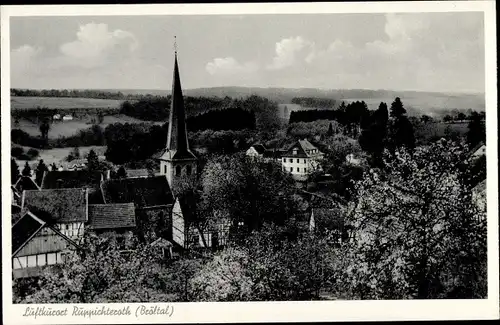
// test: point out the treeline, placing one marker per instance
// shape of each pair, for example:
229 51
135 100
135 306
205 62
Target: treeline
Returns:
229 119
314 102
73 93
232 114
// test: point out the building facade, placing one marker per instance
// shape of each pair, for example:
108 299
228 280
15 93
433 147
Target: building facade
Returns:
301 159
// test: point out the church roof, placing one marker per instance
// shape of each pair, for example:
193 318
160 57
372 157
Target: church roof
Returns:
71 179
144 192
177 141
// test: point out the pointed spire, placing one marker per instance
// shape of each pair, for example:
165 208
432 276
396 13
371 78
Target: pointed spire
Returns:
177 132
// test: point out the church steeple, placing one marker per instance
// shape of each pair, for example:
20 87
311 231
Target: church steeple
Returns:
177 161
177 133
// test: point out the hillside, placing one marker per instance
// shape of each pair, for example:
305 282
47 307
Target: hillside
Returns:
427 102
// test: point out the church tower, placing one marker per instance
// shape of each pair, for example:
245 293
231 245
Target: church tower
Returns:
177 162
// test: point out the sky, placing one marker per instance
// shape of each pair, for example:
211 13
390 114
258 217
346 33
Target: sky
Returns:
442 52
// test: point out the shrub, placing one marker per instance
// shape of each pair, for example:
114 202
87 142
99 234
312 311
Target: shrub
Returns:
33 153
16 152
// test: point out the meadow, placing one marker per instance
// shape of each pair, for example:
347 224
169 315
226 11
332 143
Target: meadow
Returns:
19 102
69 128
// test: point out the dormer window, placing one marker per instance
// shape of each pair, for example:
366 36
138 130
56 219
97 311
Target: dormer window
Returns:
295 152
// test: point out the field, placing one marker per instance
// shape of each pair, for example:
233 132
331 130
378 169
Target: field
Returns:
58 155
19 102
69 128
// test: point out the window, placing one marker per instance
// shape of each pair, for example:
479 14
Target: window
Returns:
178 170
32 261
294 152
165 169
188 170
291 169
284 159
298 161
304 161
41 260
290 160
298 170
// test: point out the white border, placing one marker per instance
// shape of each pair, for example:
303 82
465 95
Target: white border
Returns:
273 311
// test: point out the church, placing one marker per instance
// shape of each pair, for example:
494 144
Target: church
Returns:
177 161
179 165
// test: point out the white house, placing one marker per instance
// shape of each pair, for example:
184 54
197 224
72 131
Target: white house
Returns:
301 159
67 117
36 244
66 208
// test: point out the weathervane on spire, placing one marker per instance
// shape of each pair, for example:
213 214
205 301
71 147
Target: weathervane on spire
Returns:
175 44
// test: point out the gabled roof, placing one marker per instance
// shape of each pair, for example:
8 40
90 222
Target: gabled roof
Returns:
71 179
57 205
25 183
302 148
133 173
143 192
112 216
25 231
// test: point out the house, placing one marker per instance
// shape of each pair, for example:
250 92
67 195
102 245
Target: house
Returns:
118 218
152 198
90 180
71 179
301 159
256 151
328 221
25 183
164 246
137 173
64 209
67 117
56 117
479 150
37 244
187 233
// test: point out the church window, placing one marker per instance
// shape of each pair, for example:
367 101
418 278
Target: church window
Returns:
188 170
178 171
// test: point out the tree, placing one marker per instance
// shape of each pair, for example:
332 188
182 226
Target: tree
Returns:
417 232
402 133
461 116
101 273
74 154
100 117
330 130
397 108
26 170
447 118
476 130
53 167
425 118
14 171
44 128
92 161
122 173
373 137
40 170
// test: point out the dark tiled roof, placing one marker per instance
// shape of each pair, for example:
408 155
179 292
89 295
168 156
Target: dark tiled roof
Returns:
303 148
24 229
273 153
132 173
259 148
112 216
25 183
71 179
144 192
57 205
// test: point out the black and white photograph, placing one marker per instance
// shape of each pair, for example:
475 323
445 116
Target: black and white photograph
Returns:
273 157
